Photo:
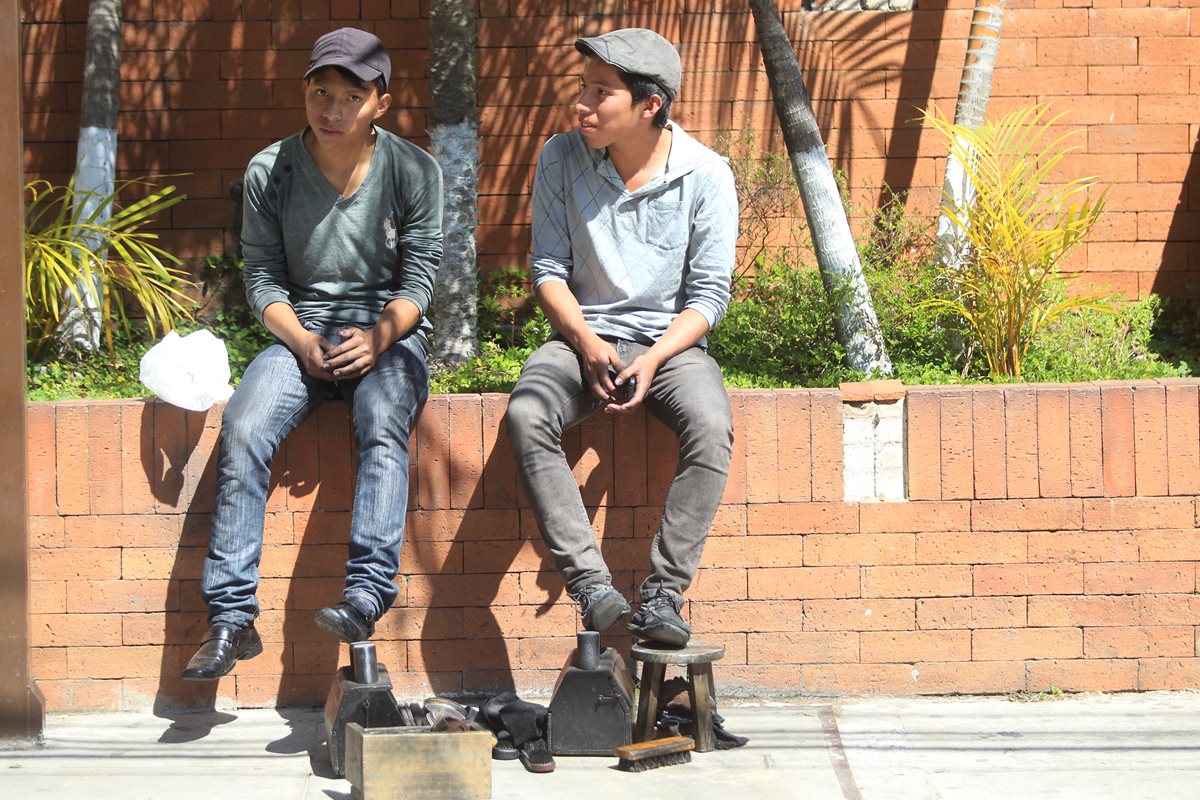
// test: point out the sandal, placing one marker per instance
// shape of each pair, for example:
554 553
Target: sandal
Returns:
535 755
504 749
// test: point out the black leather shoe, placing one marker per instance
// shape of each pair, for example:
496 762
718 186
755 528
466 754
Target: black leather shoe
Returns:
221 649
346 623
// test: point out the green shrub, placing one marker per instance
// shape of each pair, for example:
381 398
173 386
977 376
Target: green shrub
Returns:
897 255
777 335
778 331
71 374
1175 336
244 338
1091 345
53 375
511 326
229 316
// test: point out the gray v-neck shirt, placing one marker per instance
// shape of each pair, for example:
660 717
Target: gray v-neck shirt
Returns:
339 260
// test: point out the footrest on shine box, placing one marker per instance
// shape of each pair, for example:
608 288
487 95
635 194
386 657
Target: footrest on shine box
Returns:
371 705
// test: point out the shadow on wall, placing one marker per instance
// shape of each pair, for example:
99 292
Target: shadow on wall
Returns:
467 560
165 456
480 597
850 61
492 600
306 528
1178 274
869 75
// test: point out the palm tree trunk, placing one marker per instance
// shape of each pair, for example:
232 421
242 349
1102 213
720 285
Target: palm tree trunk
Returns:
837 256
974 91
95 159
454 138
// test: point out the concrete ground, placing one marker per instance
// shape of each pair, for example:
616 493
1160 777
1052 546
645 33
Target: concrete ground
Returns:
1125 746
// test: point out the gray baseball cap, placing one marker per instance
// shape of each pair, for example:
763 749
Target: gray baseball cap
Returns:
357 51
638 51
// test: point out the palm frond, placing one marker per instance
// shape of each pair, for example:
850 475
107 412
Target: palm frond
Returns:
76 238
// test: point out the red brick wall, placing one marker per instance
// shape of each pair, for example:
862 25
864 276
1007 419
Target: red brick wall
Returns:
206 83
1050 539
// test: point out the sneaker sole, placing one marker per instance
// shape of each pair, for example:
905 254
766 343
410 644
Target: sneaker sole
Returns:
662 634
604 617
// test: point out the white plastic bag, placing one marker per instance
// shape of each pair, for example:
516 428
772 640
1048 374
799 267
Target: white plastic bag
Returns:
191 372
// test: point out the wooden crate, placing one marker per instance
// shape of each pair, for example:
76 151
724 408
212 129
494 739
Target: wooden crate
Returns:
412 763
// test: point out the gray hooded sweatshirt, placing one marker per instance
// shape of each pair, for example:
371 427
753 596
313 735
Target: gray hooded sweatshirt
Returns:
635 260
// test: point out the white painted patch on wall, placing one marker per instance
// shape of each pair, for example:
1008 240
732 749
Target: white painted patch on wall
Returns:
873 451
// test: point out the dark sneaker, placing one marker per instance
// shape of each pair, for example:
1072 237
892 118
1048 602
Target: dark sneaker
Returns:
600 606
658 620
345 622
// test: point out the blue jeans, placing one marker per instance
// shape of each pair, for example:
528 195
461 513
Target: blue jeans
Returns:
274 396
688 394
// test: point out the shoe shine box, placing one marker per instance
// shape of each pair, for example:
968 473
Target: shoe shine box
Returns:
413 763
591 709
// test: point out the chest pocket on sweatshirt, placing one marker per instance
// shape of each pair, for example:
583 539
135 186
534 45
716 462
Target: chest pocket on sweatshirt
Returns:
665 225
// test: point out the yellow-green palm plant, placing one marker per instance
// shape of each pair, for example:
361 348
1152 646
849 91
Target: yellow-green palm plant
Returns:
1019 226
69 247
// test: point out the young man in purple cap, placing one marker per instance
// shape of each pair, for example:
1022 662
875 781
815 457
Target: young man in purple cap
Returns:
634 230
341 237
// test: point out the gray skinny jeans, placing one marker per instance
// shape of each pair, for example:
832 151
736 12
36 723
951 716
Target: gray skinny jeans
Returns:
688 394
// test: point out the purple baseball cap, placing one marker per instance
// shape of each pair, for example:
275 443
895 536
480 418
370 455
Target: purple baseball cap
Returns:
351 49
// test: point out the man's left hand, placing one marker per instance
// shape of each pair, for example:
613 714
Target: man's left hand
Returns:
641 371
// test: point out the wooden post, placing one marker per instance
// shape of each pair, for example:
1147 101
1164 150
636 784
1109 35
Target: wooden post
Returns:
21 708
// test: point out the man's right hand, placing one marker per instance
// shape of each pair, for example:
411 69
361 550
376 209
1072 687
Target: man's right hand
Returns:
596 356
310 348
600 362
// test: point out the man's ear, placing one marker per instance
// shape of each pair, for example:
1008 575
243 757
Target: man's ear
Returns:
385 102
651 106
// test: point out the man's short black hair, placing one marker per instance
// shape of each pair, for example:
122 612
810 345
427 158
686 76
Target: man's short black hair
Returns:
354 80
642 88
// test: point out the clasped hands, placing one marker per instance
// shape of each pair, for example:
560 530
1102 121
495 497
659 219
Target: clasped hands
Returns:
352 358
621 388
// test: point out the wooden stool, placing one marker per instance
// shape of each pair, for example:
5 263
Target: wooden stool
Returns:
698 658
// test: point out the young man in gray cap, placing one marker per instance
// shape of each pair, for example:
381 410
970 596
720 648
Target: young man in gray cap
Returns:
634 230
341 237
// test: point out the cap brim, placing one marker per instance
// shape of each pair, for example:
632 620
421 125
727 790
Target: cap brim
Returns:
583 46
355 68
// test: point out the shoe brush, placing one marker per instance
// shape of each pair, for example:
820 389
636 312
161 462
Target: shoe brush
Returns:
655 753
